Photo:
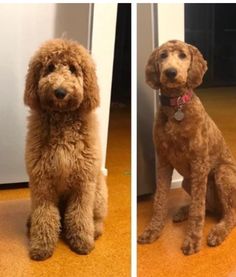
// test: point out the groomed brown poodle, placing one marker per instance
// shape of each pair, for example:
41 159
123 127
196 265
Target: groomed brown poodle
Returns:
188 140
68 190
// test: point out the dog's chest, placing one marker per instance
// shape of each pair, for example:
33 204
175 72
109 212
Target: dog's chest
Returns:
70 157
173 142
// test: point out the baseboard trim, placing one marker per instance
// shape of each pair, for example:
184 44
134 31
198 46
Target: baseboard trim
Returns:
176 183
104 171
14 186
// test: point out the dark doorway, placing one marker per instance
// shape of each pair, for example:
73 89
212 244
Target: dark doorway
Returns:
212 28
121 81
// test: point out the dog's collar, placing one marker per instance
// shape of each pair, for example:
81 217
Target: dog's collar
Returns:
176 101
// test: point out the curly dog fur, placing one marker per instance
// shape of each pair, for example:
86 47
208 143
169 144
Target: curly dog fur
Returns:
194 147
68 190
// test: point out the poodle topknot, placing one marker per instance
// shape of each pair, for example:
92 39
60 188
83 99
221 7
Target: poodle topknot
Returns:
68 190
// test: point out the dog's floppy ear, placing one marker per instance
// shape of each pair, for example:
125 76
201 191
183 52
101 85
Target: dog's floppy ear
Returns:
31 84
91 91
152 72
197 68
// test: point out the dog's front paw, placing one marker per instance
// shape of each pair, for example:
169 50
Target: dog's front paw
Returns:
191 246
148 236
98 229
38 254
82 245
216 236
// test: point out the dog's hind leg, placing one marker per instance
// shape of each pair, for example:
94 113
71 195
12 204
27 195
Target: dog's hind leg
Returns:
28 225
225 178
100 206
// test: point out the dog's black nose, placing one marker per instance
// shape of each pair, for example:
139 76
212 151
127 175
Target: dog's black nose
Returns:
171 73
60 93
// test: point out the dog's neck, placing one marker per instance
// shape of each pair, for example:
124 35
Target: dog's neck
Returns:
65 119
174 103
173 92
177 101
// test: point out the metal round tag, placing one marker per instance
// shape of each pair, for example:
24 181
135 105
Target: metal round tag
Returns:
179 115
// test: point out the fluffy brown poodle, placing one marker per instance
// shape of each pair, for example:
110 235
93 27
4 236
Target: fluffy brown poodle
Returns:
68 190
188 140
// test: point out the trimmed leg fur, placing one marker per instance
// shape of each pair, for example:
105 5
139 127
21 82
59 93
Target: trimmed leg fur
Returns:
227 194
192 241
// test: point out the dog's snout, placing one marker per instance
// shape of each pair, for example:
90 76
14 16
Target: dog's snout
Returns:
171 73
60 93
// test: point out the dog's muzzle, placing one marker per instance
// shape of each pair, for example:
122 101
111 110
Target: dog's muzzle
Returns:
171 73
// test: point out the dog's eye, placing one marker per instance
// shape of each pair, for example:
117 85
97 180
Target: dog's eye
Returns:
72 69
163 55
182 55
50 68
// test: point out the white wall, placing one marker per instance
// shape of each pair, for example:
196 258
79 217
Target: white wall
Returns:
103 42
170 22
23 28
